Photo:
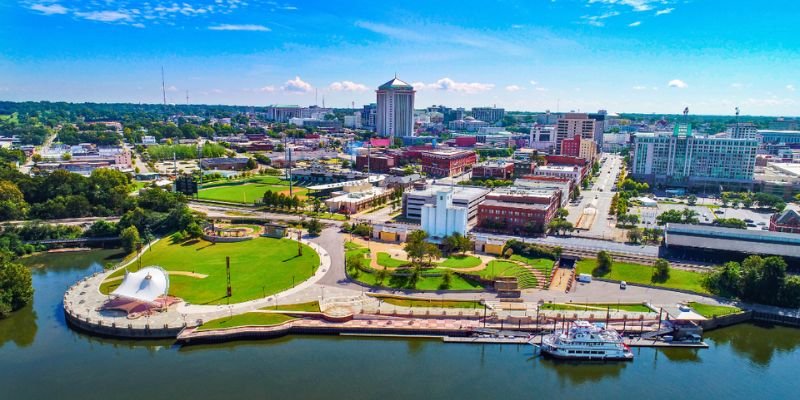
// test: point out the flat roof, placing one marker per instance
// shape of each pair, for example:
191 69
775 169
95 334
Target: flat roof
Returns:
732 239
510 204
459 192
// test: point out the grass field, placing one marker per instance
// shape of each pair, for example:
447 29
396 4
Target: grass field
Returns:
246 319
259 267
431 303
496 268
629 307
248 190
424 283
386 260
711 311
11 118
461 261
545 265
312 306
637 273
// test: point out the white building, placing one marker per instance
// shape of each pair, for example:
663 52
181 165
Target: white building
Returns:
444 219
395 114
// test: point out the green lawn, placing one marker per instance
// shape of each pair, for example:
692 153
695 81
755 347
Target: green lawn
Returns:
312 306
461 261
638 273
431 303
247 190
629 307
496 268
386 260
259 267
545 265
711 311
352 249
246 319
424 283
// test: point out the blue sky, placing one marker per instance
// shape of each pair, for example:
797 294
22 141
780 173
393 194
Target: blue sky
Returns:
621 55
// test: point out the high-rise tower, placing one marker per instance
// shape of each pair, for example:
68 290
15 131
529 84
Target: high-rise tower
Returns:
395 114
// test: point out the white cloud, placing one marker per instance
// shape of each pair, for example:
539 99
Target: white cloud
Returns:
105 16
348 86
296 85
267 89
513 88
633 24
639 87
664 11
49 9
790 88
534 83
233 27
597 20
172 89
677 83
637 5
447 84
541 89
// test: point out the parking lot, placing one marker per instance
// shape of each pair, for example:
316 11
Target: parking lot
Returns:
756 219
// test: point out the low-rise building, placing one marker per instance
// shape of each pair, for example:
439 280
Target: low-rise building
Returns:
224 163
563 185
572 173
445 163
499 169
788 222
518 211
422 194
356 198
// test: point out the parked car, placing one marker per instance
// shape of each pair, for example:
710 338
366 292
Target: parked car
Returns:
623 285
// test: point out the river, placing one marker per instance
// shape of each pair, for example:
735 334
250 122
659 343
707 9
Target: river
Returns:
41 358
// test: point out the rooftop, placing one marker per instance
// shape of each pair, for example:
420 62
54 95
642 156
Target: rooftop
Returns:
525 206
732 239
395 84
459 192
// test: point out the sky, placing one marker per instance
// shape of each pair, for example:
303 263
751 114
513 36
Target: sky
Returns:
642 56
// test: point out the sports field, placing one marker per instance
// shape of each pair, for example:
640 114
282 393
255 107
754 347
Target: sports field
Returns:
248 190
259 267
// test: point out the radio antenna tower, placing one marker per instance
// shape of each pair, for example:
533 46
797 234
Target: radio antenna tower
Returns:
163 87
187 97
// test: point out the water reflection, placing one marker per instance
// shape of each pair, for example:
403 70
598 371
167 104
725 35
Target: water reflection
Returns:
758 342
682 355
20 327
579 372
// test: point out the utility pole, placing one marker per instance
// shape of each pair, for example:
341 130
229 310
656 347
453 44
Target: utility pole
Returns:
299 245
163 87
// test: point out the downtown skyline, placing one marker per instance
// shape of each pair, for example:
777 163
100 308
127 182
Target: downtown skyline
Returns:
622 55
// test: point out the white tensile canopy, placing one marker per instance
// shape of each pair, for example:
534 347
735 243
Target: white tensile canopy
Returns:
146 285
689 316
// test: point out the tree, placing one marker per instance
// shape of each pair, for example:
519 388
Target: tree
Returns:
193 231
12 201
660 271
16 285
447 279
251 163
414 276
66 157
604 263
731 223
130 239
562 213
381 275
415 245
314 227
432 252
634 235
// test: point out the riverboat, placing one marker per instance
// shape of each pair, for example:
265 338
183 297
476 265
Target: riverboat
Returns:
586 341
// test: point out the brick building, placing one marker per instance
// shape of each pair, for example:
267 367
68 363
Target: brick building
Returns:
518 211
377 162
788 221
444 163
493 170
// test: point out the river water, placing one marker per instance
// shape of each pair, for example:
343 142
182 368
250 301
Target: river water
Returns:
41 358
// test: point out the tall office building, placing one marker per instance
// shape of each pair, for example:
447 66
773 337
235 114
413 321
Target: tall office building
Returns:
744 130
491 115
574 124
681 159
395 114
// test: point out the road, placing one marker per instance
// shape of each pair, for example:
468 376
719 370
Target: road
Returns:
597 200
26 168
86 221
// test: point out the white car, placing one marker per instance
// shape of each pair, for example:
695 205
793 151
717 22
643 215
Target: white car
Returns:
623 285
